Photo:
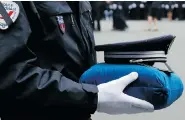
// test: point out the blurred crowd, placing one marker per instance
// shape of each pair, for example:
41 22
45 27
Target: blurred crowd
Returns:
120 11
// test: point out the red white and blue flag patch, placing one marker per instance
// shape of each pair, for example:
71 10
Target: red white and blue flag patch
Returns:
61 23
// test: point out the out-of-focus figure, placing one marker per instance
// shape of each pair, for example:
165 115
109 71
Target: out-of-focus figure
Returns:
97 13
181 10
153 15
119 22
170 7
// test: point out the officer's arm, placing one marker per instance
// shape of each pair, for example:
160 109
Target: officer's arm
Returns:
21 81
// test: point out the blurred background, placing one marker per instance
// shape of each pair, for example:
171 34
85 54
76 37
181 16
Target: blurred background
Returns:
121 11
120 21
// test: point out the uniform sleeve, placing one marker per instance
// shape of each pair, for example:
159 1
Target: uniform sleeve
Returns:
21 81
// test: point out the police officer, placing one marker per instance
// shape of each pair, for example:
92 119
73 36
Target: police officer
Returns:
153 15
43 54
119 22
97 13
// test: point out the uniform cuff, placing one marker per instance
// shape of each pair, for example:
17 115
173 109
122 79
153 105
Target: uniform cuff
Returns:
92 97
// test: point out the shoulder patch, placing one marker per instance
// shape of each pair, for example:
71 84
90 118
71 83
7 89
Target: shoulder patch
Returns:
12 12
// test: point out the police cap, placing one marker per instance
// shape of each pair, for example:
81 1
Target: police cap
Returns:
146 51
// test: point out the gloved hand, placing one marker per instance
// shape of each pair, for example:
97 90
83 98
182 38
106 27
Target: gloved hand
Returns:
112 100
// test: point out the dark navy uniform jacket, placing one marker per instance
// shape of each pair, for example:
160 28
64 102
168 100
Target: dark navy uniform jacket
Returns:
41 61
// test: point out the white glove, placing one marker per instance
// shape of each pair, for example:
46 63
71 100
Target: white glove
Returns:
112 100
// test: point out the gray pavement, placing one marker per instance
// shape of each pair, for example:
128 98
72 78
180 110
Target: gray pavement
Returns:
176 58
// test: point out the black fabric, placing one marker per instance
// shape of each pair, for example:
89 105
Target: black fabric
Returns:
154 9
74 5
154 12
39 71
